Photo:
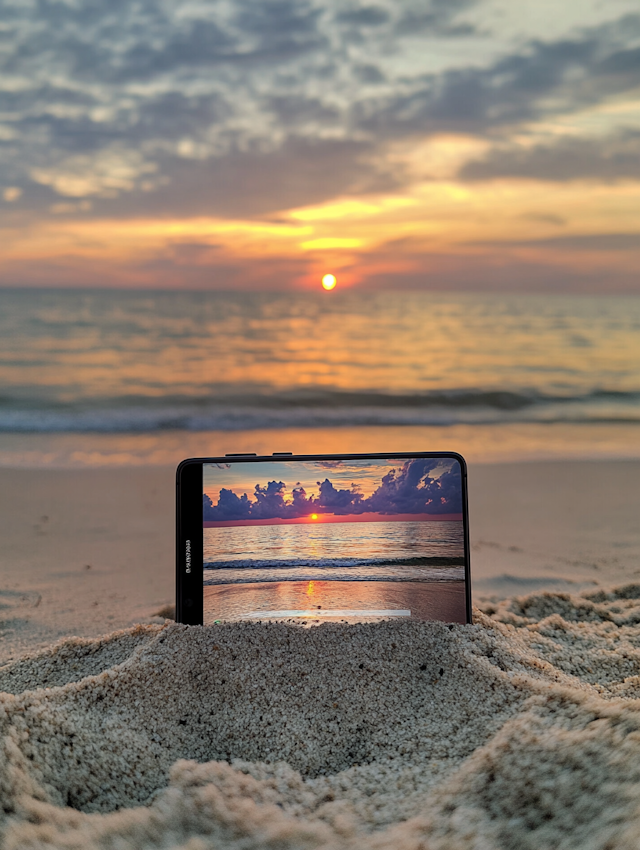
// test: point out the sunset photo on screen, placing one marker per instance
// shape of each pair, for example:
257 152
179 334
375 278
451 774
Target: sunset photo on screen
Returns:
349 539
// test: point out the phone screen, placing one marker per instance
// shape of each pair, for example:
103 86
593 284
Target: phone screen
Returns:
357 539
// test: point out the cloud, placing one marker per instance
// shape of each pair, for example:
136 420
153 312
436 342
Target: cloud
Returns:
244 107
540 79
608 159
210 111
135 109
549 265
369 74
269 503
545 218
363 16
589 243
413 491
137 40
437 18
11 193
243 184
229 506
409 490
107 174
335 501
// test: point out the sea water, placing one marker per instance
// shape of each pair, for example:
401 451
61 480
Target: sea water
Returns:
119 377
351 571
375 551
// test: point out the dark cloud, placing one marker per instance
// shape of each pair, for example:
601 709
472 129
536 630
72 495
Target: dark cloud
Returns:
335 501
588 243
198 44
135 40
369 74
413 491
229 506
275 19
293 110
270 502
616 157
543 78
176 265
250 183
623 63
364 16
535 266
545 218
437 18
409 490
279 33
202 266
528 268
174 115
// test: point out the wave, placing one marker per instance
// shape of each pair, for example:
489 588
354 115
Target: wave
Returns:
333 563
316 408
350 574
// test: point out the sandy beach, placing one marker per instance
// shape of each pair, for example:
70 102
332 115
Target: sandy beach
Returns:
121 729
521 730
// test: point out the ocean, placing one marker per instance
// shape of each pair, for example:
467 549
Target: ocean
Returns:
375 551
120 377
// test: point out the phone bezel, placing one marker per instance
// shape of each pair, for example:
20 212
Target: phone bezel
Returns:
189 478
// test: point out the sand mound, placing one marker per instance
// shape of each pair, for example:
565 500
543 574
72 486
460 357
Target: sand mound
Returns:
521 731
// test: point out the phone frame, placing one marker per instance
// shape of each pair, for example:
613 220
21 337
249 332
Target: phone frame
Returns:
189 523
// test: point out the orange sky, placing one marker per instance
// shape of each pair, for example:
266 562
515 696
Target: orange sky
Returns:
332 518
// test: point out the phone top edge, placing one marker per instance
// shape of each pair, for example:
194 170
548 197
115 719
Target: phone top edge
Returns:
280 456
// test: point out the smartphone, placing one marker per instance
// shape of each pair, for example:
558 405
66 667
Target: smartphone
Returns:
315 538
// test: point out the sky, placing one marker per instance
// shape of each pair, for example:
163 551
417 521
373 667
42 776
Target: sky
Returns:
293 491
260 144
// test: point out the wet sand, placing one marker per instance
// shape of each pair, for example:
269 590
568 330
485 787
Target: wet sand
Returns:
314 600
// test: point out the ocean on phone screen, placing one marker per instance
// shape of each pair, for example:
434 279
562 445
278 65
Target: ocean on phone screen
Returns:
368 551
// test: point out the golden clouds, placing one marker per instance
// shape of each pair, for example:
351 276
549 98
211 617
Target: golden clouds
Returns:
398 234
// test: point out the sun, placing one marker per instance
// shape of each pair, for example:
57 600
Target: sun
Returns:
314 516
329 281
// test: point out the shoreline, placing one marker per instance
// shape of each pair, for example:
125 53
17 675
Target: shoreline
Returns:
441 600
495 443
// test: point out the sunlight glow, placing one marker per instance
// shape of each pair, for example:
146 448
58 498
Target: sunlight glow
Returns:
328 282
351 207
326 243
314 516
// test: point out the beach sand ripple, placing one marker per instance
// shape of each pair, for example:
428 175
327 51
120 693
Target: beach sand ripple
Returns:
519 731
